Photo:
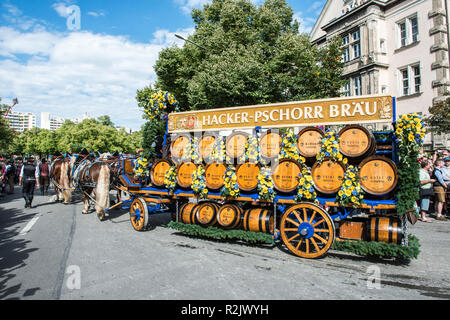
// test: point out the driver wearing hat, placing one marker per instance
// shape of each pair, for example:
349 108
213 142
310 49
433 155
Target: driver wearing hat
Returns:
29 179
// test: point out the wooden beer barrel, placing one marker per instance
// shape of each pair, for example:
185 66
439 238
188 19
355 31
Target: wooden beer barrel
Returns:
230 216
384 229
206 213
285 175
158 172
177 146
184 174
309 141
235 144
215 175
378 175
270 144
328 176
186 213
247 176
258 220
206 145
356 142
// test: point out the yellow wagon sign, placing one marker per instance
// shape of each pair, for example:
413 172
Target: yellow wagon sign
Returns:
367 109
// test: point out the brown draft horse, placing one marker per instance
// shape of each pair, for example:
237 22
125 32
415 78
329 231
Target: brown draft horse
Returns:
94 180
60 176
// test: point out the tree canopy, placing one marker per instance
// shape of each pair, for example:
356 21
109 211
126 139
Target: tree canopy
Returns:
6 134
90 134
439 118
254 55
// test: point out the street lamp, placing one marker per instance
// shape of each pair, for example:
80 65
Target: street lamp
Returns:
187 40
15 101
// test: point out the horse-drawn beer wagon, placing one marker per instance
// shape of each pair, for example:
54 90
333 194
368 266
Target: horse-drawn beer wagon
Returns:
273 171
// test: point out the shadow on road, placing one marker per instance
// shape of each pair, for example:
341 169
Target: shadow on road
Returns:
13 251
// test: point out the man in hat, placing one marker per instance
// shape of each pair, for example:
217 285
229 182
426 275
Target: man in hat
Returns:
10 175
29 179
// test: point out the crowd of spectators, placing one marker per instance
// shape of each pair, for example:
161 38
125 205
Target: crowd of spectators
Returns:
10 170
434 178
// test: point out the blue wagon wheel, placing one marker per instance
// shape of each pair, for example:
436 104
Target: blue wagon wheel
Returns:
139 214
307 230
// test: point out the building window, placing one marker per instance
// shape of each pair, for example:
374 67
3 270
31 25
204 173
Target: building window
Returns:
347 90
357 86
410 80
405 82
417 80
346 54
408 31
351 45
383 46
414 29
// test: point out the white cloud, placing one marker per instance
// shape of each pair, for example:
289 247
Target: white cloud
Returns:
61 9
306 23
69 74
187 5
101 13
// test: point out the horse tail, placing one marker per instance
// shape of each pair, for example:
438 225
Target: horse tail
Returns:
64 181
102 189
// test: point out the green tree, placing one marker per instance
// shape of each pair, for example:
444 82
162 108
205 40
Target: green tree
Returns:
439 119
254 54
6 133
153 130
105 120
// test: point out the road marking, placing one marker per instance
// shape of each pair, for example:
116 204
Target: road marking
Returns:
28 226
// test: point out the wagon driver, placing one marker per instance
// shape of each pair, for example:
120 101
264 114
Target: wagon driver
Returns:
29 179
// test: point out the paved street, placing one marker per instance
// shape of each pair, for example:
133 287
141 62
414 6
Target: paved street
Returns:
43 249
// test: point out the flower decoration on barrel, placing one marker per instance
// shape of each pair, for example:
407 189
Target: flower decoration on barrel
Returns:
190 152
409 131
350 194
161 102
330 148
230 188
289 148
170 179
252 152
141 167
265 185
305 190
199 183
218 153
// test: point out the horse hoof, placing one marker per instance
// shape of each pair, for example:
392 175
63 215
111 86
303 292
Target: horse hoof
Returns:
84 212
101 216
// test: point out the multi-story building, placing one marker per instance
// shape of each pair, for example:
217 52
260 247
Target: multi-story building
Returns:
21 121
51 123
395 47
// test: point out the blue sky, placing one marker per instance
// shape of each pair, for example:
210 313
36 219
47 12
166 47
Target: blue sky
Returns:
52 64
